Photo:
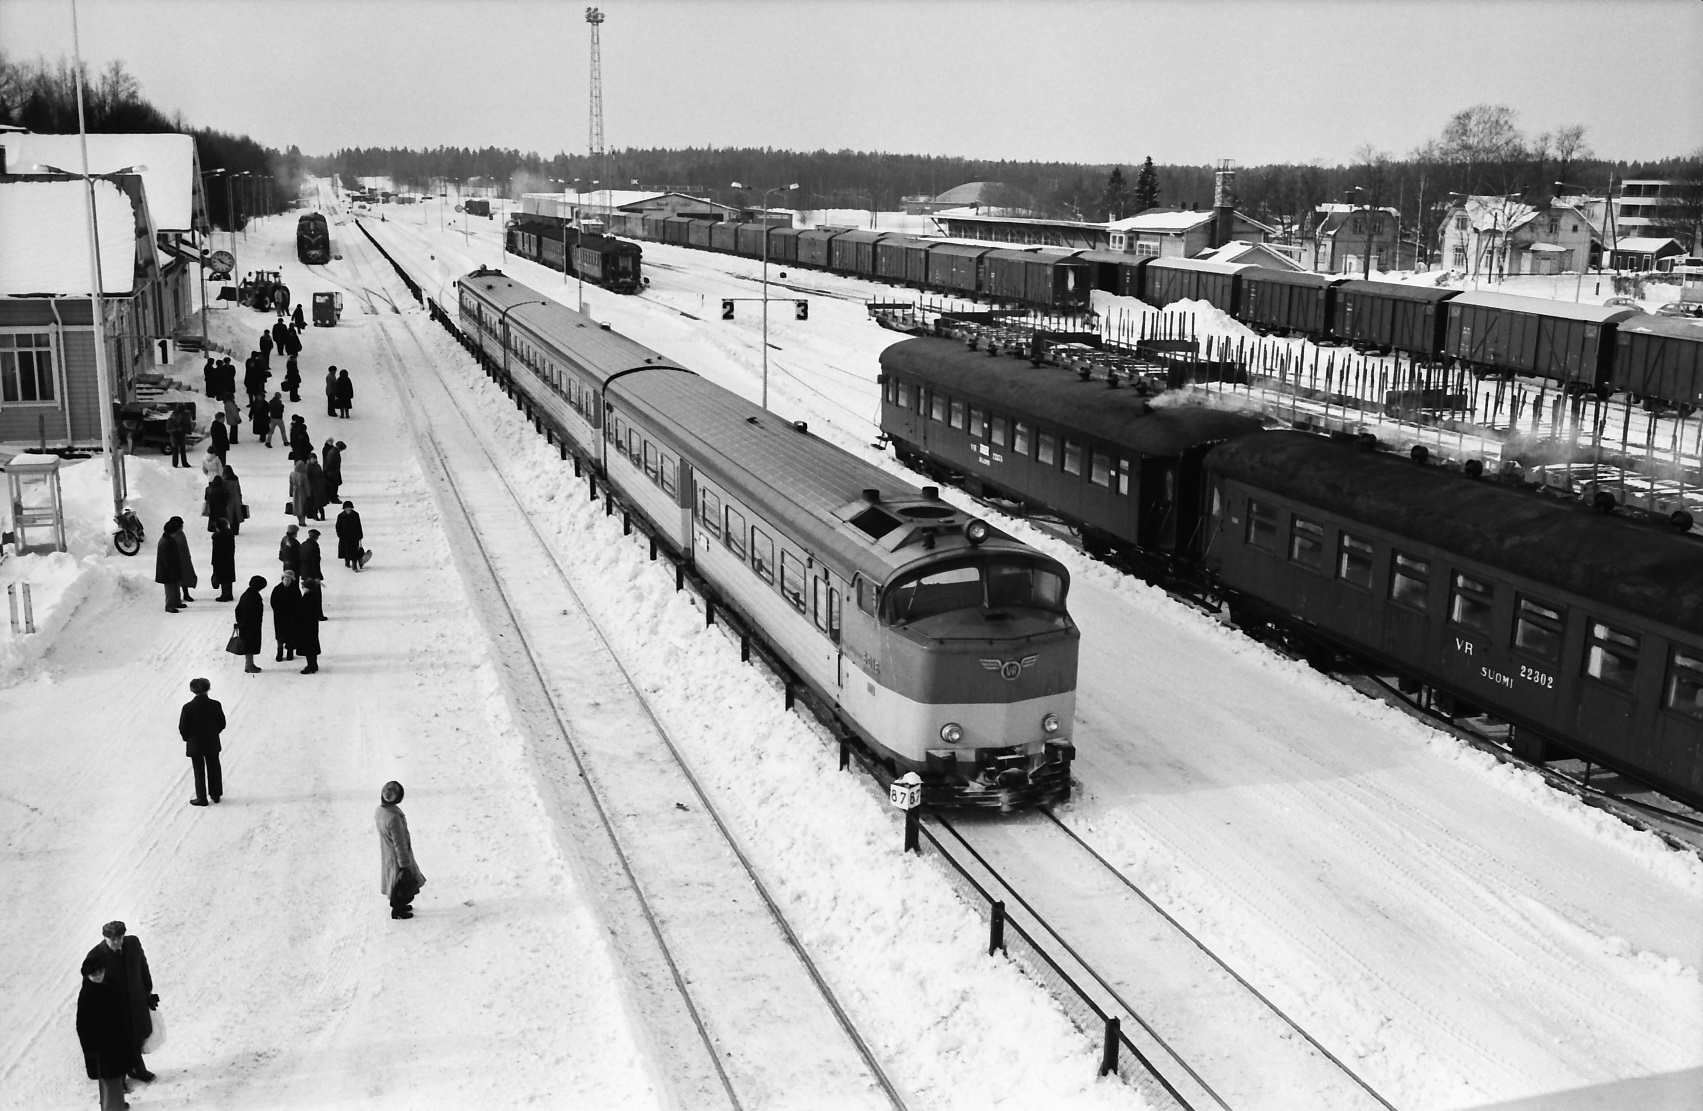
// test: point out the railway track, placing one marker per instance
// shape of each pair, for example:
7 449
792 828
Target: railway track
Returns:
731 1034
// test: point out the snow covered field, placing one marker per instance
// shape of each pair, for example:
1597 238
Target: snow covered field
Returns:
1458 931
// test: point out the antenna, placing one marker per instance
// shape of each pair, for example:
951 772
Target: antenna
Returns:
595 18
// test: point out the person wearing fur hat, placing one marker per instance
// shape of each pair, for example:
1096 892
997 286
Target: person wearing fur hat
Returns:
286 596
399 875
126 965
168 567
304 633
186 576
310 556
290 549
103 1029
251 620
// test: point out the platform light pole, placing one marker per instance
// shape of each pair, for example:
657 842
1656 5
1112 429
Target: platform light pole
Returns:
766 192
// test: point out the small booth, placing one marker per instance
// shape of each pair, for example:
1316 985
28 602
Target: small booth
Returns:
37 504
326 308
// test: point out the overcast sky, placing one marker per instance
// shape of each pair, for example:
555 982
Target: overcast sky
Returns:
1185 81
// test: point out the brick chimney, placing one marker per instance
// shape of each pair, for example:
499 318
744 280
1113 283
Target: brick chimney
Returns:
1223 203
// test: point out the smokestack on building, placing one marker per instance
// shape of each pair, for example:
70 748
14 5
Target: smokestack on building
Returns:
1223 203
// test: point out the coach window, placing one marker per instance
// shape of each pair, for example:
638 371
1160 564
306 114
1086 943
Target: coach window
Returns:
957 419
709 511
936 406
1099 468
1262 526
1470 603
635 448
978 428
665 475
890 391
792 579
1611 656
612 430
1044 453
902 395
650 461
1020 438
1354 561
763 554
997 433
735 532
1072 457
1685 685
1537 629
1410 581
1307 543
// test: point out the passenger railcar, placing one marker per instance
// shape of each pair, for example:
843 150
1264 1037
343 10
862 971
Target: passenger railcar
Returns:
615 264
313 239
1582 630
945 645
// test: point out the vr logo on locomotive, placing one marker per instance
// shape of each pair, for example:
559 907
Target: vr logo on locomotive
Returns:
1010 669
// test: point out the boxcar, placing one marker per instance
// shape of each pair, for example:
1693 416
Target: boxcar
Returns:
724 237
1106 269
815 246
1390 317
698 233
853 252
783 244
1168 280
1005 275
1101 458
1533 336
1286 302
1583 630
651 227
750 239
956 268
902 258
677 229
1660 358
1057 277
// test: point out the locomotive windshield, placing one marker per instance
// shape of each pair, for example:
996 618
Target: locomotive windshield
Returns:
979 584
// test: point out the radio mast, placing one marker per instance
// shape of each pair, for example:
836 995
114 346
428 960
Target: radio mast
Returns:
595 18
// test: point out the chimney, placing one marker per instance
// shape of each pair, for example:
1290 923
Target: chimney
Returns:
1223 203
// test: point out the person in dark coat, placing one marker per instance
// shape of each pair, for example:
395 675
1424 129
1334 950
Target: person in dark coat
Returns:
301 492
219 442
275 419
168 568
292 382
331 392
301 445
257 416
178 425
251 620
210 376
331 462
290 549
349 536
127 971
310 567
304 634
286 596
316 483
345 393
266 349
215 503
280 337
254 382
186 576
234 508
103 1029
199 723
296 318
227 378
292 341
399 875
224 559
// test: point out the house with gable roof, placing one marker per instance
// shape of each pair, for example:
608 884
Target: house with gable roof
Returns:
1499 236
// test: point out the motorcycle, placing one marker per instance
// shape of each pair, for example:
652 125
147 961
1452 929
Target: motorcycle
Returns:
128 538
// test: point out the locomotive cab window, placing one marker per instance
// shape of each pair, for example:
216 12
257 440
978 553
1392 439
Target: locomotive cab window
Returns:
1262 526
1307 543
1611 656
974 585
1685 685
1470 604
1354 561
1537 629
1410 581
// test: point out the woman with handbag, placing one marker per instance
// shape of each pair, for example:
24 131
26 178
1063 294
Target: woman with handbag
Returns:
399 875
251 617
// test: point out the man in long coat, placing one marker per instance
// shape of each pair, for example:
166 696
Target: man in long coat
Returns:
186 576
349 536
168 571
331 392
316 482
290 549
345 393
266 349
332 464
224 559
286 596
301 492
304 634
251 620
103 1030
127 971
199 723
220 437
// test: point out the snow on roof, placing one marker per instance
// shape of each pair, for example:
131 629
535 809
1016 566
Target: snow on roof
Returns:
984 212
1170 220
1242 251
970 193
45 228
1646 243
599 198
1495 213
169 176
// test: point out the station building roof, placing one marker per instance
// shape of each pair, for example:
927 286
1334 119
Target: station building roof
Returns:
168 161
44 238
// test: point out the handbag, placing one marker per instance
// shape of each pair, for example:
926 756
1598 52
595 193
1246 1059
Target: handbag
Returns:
245 511
157 1037
290 508
236 646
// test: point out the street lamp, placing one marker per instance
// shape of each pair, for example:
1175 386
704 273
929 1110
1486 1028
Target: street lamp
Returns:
766 192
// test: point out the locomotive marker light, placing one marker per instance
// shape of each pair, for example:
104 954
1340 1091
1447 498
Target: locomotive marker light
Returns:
906 794
977 532
727 314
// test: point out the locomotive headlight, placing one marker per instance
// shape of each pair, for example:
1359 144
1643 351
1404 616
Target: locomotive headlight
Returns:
951 732
976 532
1050 723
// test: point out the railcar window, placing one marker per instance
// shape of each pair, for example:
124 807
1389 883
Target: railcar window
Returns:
1020 438
890 391
1099 468
957 418
1262 526
635 446
1072 457
1024 584
978 428
902 395
1685 685
1354 561
763 554
709 511
612 430
1307 543
792 579
666 473
1123 476
1537 629
1611 656
936 406
1470 603
1410 581
650 461
998 433
819 603
1044 449
735 532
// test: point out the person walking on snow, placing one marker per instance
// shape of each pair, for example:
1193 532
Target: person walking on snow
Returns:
301 492
257 415
275 418
296 319
216 499
168 569
332 465
310 566
233 417
235 510
290 549
399 875
199 723
304 634
186 576
286 596
331 392
224 559
345 394
127 970
103 1030
219 442
301 445
316 480
178 425
292 378
281 337
266 349
349 536
251 621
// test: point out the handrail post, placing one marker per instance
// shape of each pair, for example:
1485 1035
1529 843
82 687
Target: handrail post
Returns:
996 927
1109 1056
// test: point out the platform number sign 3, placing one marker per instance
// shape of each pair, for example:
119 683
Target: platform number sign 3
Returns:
801 310
727 308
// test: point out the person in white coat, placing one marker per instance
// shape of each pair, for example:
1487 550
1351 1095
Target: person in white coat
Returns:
399 874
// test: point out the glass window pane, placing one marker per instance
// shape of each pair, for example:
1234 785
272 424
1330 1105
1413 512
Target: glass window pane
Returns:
1099 468
1262 526
1044 449
1410 581
1685 685
936 406
763 554
1537 629
957 419
1470 604
998 433
1612 656
667 473
792 580
1020 438
1307 543
1072 457
902 395
736 532
978 423
1354 561
709 511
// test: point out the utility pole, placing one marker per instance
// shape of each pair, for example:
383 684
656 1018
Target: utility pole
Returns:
595 18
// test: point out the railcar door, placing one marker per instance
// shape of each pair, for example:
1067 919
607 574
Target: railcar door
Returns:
1157 495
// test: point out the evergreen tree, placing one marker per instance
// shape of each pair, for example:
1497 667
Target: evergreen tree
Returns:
1146 187
1117 201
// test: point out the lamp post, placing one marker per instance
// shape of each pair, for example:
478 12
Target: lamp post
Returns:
766 192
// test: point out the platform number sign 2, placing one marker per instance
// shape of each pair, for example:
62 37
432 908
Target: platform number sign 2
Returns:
801 310
727 308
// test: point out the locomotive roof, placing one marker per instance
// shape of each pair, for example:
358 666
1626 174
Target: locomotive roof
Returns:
1429 294
1062 399
597 351
1647 571
795 479
1545 306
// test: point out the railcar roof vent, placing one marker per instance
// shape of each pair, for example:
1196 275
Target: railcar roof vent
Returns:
932 493
875 523
801 426
871 495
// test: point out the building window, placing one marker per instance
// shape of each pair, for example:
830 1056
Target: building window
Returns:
763 554
1354 561
1099 468
1470 604
1611 656
1072 457
1307 543
1262 526
1044 449
1460 223
1537 629
1410 581
26 367
1460 258
1685 685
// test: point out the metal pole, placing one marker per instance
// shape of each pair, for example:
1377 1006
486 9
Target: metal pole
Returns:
766 298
